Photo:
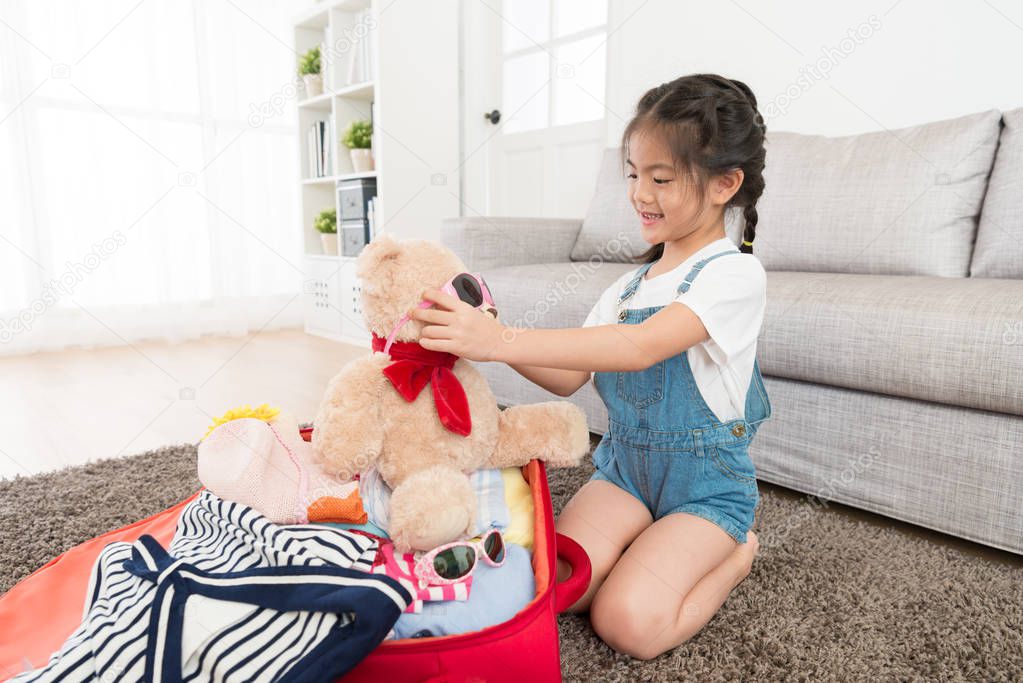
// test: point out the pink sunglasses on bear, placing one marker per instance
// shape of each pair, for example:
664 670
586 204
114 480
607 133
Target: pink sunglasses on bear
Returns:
468 287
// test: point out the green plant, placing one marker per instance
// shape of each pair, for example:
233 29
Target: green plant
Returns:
309 63
326 222
358 135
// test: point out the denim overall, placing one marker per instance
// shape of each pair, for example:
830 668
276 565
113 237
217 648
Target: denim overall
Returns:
665 446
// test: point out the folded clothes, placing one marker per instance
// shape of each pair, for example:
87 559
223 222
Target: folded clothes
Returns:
367 526
488 484
334 509
269 467
519 499
232 594
498 594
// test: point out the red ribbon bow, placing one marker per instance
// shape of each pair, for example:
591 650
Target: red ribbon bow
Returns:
414 367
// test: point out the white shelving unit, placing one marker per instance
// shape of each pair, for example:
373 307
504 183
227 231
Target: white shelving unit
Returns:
331 290
414 99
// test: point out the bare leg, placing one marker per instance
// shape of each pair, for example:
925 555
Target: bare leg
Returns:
668 584
712 590
604 520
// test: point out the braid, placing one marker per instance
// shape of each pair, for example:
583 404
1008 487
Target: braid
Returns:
749 214
749 232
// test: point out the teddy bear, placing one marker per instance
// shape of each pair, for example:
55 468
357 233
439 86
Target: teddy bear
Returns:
377 412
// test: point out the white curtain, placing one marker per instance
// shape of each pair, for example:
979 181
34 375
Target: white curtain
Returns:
148 171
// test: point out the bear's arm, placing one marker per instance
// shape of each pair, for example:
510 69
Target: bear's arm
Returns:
348 431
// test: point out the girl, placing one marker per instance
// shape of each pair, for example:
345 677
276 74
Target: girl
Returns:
672 347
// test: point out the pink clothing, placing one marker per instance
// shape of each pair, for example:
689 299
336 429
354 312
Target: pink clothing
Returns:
400 567
269 467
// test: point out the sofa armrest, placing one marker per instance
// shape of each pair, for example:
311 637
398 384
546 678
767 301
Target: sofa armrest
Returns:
486 242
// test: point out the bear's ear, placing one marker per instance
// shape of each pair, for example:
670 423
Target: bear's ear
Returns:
383 251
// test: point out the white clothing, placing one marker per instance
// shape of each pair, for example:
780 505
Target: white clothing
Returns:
729 295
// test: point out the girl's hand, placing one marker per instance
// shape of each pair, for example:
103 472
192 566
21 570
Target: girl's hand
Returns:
456 327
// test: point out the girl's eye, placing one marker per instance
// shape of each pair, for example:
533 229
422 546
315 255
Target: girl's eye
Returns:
659 181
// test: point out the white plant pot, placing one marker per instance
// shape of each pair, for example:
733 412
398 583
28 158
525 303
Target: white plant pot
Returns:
362 160
329 240
313 84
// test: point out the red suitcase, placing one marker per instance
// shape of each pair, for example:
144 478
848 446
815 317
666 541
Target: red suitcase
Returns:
523 648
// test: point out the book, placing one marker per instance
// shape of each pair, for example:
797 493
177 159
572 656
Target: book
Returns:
341 56
331 162
371 219
353 62
320 148
311 152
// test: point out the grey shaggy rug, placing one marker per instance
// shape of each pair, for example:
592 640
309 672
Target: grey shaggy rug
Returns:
832 596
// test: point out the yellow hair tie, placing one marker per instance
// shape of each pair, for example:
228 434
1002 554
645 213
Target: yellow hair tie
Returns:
748 244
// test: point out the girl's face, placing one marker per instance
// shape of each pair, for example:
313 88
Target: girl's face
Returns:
666 202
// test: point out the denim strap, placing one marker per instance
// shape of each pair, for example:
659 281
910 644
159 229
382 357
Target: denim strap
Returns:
633 285
631 288
684 287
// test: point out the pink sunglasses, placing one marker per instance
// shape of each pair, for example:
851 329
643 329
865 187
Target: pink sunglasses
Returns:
468 287
453 562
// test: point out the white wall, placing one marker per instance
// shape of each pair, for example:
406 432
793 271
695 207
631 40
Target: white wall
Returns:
419 116
888 64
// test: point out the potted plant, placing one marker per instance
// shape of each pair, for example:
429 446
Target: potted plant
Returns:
326 225
309 67
358 138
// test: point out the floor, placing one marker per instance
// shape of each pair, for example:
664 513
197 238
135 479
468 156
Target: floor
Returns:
71 407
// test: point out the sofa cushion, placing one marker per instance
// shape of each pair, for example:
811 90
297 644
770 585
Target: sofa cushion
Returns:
610 219
999 248
951 340
550 294
902 202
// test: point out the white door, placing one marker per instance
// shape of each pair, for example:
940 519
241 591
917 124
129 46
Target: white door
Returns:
534 79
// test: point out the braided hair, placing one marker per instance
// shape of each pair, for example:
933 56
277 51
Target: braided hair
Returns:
711 125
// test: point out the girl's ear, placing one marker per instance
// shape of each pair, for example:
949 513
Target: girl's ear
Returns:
725 185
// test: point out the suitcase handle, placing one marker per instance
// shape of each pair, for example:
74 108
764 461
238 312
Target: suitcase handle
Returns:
567 592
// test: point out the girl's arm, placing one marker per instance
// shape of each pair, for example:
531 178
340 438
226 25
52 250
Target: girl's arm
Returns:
465 332
560 382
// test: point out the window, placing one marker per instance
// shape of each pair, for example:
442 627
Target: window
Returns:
147 171
553 63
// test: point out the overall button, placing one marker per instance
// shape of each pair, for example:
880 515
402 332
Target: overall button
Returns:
621 315
739 429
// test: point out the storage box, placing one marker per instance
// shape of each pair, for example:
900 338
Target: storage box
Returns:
354 236
353 197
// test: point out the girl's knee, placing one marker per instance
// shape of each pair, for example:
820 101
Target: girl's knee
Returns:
629 625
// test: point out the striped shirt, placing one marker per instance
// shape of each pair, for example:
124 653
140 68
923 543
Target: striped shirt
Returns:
234 598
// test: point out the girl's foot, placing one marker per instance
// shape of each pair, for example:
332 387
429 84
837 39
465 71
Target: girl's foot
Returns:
743 557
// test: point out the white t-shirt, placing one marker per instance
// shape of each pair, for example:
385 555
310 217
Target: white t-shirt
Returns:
729 295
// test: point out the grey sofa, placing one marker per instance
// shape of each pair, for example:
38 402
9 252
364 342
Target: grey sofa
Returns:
892 345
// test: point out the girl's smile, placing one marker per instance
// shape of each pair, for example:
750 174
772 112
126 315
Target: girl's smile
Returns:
650 218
